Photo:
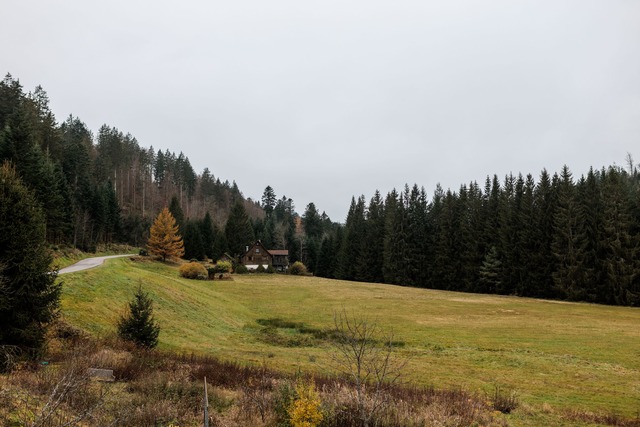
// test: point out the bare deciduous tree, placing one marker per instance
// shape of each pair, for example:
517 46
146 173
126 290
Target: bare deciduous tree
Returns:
365 355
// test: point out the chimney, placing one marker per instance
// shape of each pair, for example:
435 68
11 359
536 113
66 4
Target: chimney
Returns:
246 248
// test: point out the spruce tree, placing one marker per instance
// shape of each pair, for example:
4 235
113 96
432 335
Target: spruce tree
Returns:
268 200
193 241
489 280
176 211
371 257
208 234
395 241
139 325
566 244
353 240
238 231
544 261
620 263
31 296
220 246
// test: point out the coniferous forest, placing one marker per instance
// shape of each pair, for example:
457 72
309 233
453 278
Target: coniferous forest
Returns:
560 236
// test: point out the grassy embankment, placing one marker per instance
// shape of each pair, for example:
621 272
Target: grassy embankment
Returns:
557 356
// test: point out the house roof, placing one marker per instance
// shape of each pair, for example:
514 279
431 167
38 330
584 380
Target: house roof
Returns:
279 252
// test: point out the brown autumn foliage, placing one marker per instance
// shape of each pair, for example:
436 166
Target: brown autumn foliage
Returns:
164 239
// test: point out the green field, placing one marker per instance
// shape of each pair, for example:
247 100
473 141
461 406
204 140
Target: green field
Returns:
557 356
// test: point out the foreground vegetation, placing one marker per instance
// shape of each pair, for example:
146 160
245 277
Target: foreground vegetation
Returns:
558 357
164 389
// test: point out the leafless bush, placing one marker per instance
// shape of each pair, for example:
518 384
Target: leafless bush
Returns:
59 396
258 392
9 356
365 356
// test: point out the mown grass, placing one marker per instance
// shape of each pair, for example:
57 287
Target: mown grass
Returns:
557 356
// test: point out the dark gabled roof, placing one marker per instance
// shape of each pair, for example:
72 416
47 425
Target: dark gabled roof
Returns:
256 243
279 252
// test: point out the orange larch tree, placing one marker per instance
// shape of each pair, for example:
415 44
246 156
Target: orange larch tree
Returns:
164 239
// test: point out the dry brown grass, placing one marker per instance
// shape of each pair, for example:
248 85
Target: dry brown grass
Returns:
155 388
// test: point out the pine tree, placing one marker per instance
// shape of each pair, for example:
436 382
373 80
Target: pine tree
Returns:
164 239
138 325
32 297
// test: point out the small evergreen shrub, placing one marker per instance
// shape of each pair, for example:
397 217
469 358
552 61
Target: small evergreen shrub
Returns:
260 269
298 269
193 270
270 269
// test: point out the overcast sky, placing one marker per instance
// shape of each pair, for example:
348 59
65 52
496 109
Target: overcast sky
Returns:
325 100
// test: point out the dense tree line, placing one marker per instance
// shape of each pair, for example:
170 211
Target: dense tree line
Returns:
554 238
102 188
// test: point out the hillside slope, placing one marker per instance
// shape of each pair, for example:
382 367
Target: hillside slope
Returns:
554 355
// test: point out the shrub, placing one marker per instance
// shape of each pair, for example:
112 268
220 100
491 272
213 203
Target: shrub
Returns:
260 269
270 269
223 267
298 269
193 270
305 409
241 269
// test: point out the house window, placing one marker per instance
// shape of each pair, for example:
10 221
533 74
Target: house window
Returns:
257 250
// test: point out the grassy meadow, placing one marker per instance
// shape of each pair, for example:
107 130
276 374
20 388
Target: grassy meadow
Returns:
556 356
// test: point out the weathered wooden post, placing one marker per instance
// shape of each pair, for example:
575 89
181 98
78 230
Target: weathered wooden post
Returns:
206 404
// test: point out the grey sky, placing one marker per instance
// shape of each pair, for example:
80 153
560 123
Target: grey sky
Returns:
324 100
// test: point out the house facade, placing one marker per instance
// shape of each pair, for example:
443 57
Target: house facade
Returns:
257 255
